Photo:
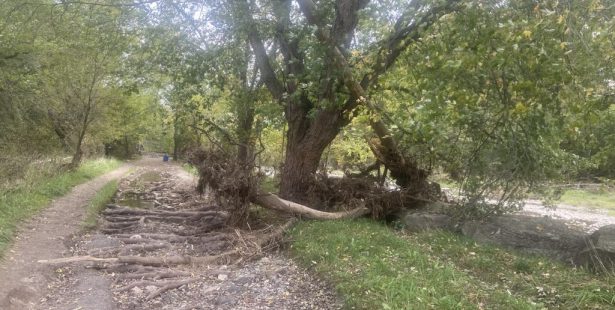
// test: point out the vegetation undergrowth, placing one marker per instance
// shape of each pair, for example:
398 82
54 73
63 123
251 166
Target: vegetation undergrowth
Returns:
190 169
23 201
374 267
97 204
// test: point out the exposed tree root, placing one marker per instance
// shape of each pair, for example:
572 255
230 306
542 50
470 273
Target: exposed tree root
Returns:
155 261
170 286
153 275
155 247
163 286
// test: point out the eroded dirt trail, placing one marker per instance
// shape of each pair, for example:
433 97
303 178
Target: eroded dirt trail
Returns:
23 281
162 246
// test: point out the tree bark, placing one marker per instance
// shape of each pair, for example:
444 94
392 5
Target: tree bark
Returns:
306 141
272 201
76 161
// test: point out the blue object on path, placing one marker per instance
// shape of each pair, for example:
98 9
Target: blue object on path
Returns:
165 157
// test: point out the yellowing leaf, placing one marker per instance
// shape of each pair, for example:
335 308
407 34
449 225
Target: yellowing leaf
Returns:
527 34
520 108
563 45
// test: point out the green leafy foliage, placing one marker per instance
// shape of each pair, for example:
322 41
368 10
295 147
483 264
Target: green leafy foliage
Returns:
490 94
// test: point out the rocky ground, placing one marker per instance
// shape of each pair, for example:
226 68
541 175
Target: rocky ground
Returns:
587 219
161 246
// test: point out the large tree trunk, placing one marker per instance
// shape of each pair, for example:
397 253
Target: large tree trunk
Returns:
300 165
245 111
307 139
245 147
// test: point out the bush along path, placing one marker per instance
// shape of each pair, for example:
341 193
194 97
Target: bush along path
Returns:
23 280
160 245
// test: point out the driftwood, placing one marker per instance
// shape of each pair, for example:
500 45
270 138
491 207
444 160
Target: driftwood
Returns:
272 201
157 261
163 286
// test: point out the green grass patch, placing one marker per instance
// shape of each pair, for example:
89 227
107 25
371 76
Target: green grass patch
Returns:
269 184
374 267
97 204
190 169
20 203
602 199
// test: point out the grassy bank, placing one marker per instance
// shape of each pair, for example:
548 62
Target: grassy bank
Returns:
601 198
97 204
23 201
374 267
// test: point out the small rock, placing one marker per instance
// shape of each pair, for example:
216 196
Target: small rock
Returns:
599 254
151 288
137 291
135 237
222 277
418 222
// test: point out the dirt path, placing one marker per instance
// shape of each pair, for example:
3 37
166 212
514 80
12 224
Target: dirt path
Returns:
156 216
23 282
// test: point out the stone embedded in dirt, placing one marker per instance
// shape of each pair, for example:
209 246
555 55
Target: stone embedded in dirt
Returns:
222 277
599 254
137 291
421 221
534 235
151 288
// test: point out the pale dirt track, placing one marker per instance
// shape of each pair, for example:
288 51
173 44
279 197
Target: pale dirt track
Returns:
23 282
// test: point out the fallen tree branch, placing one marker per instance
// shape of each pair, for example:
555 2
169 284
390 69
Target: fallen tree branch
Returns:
169 286
172 260
272 201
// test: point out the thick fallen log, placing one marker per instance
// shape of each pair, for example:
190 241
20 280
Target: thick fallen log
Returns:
272 201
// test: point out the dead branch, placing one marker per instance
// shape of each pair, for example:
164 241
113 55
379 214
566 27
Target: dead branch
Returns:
272 201
156 275
169 286
174 260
